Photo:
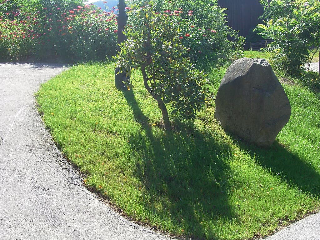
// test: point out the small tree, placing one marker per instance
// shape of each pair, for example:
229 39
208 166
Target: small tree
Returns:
154 46
294 26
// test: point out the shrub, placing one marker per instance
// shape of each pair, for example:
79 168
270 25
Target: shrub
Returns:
66 30
203 27
15 42
294 27
76 33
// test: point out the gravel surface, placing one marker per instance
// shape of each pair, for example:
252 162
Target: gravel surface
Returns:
41 195
305 229
312 67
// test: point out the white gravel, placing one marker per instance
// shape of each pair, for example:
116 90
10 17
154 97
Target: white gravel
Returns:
41 195
306 229
314 67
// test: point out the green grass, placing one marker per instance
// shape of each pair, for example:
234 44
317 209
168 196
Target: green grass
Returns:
314 55
257 54
197 181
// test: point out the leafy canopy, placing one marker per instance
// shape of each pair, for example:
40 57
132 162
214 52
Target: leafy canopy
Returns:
294 26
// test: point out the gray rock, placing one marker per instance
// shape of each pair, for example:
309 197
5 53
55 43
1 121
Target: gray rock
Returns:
251 102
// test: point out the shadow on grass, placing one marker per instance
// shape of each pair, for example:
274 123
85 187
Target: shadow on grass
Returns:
287 165
184 174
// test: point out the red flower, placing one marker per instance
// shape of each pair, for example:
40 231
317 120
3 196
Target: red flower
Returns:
187 35
72 12
115 31
181 37
213 31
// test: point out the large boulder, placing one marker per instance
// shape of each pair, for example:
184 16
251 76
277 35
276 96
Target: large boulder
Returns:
251 102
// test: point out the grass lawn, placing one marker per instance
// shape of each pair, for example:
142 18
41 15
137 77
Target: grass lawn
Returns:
197 181
257 54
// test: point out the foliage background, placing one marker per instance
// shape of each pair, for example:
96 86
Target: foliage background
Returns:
64 30
294 27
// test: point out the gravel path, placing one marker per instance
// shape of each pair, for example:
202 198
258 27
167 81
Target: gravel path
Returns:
41 195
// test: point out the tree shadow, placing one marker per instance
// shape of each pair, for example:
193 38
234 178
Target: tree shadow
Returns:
287 165
184 174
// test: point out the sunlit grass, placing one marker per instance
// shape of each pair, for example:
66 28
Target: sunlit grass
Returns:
257 54
197 181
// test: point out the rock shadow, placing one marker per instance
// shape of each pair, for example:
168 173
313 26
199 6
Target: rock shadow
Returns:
287 165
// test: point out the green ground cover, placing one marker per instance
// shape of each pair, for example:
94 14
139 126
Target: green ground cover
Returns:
195 181
257 54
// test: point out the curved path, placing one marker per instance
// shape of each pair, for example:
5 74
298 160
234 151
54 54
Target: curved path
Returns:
41 195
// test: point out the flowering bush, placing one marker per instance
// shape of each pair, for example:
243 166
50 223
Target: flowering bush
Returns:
294 26
15 42
203 30
65 30
95 36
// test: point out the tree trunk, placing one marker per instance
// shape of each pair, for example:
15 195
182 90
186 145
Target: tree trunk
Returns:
161 105
121 77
